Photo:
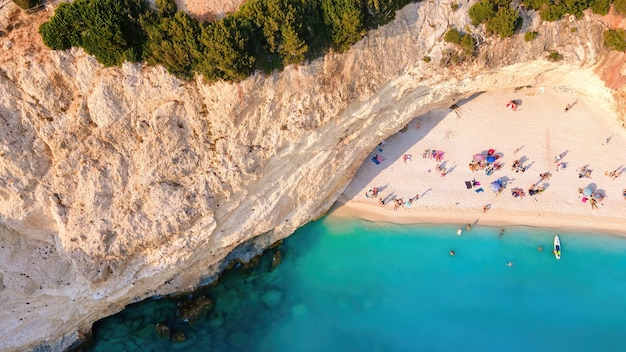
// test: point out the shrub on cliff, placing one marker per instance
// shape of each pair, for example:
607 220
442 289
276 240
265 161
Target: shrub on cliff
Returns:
112 38
530 36
552 13
498 15
481 11
172 41
504 22
453 36
600 7
27 4
465 41
262 35
620 6
615 39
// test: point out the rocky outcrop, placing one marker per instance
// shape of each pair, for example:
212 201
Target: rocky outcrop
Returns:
117 184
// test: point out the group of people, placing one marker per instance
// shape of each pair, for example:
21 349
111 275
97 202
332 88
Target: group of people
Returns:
433 154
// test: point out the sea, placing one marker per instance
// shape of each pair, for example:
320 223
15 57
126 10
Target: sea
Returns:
351 285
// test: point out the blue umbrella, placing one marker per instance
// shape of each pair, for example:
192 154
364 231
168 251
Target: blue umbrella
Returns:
495 186
587 191
491 158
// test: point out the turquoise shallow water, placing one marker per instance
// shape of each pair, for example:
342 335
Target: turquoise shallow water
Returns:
347 285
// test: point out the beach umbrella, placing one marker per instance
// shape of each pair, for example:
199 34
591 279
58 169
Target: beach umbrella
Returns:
495 186
479 156
587 191
491 158
598 196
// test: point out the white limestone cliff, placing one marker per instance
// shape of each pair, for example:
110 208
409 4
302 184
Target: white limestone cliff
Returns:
117 184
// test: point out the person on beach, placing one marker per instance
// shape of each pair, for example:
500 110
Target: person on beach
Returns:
381 202
468 227
557 158
486 207
569 106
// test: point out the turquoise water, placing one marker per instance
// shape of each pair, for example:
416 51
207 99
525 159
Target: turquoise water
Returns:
347 285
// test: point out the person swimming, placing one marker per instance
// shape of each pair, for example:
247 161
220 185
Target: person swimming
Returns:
509 264
452 253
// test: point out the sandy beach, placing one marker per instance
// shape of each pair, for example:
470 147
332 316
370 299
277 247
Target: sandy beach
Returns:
586 135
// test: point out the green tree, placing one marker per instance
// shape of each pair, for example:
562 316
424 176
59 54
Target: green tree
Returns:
106 29
293 48
62 31
536 4
345 20
620 6
615 39
481 11
600 7
166 8
468 44
173 42
530 36
227 54
553 12
453 36
504 22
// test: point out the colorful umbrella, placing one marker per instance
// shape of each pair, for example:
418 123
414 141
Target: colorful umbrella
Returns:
587 191
495 186
491 158
479 156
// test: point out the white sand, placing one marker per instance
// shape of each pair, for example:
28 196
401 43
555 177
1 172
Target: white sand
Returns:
540 128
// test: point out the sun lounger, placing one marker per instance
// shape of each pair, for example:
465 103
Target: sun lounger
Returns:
375 160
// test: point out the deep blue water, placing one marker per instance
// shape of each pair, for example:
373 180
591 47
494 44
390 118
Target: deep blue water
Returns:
347 285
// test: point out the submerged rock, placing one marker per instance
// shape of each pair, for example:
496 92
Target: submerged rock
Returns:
277 258
163 330
191 310
272 298
178 336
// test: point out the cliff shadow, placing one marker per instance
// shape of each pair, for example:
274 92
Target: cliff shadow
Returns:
397 148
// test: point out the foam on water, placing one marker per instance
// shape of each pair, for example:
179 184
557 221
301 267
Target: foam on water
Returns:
348 285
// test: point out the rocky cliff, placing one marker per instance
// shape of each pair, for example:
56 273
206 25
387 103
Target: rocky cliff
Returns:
117 184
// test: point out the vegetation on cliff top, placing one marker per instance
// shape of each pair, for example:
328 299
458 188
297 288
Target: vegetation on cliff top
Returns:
262 35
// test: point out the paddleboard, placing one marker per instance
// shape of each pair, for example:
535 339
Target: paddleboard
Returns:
557 247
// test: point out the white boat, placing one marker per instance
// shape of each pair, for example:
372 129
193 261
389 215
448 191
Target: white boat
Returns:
557 247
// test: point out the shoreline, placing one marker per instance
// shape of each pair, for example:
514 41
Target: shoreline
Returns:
570 224
586 134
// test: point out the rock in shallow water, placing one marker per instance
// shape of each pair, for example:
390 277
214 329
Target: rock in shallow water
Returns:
163 330
192 309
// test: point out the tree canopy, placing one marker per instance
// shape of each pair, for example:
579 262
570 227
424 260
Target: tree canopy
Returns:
262 35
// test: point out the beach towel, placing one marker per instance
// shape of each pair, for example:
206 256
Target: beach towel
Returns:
468 184
375 160
584 199
479 190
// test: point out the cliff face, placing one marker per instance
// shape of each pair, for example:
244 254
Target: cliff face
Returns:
117 184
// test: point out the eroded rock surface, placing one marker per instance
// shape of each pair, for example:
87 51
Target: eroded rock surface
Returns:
117 184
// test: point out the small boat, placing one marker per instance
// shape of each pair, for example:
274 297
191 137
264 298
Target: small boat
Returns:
557 247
